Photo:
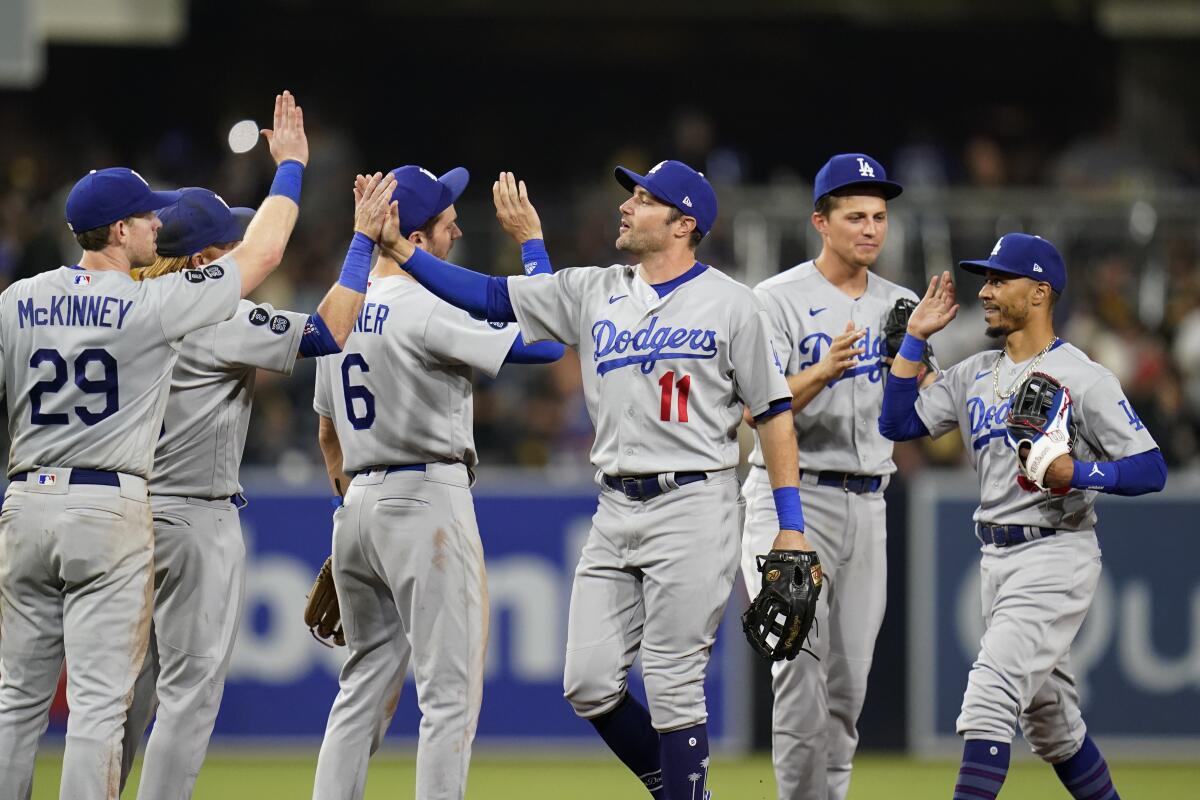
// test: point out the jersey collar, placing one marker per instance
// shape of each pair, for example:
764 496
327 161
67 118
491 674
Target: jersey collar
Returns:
664 289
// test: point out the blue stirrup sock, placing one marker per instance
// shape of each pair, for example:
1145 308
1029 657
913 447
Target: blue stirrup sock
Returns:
983 770
628 733
685 762
1086 775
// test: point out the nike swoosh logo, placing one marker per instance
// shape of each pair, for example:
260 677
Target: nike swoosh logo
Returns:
615 298
983 374
812 312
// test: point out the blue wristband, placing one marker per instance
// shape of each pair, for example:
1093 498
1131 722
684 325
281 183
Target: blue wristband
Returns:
788 508
534 257
912 348
1091 475
288 177
357 265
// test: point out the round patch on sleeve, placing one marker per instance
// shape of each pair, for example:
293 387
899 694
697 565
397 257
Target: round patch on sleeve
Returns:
193 276
259 316
498 325
280 324
214 271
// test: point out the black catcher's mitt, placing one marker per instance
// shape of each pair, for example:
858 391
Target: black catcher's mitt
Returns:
779 618
895 325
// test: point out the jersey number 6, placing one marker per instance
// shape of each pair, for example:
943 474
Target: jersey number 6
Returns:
352 393
668 384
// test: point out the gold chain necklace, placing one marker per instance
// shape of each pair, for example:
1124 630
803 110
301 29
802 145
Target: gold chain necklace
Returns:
1021 380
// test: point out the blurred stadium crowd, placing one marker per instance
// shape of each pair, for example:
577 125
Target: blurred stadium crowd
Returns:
1127 220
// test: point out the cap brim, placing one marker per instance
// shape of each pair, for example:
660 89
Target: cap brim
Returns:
631 180
154 201
456 181
984 267
241 221
891 189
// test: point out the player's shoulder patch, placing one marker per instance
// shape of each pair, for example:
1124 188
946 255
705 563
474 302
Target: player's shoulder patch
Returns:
497 325
214 271
280 324
193 276
258 316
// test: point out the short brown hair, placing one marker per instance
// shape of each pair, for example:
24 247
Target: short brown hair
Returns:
697 236
95 239
826 204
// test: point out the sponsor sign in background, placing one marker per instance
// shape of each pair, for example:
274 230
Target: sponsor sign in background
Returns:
282 682
1137 656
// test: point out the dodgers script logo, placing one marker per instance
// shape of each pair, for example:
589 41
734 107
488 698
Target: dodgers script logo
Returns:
871 358
646 346
987 422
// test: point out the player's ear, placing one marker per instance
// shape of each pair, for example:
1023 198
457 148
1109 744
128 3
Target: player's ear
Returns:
684 227
418 239
197 260
820 222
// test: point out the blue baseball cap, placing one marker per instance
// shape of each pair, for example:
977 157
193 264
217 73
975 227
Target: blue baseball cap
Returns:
678 185
1027 256
853 169
104 196
198 219
422 196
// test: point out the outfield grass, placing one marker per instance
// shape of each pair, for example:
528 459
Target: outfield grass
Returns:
875 777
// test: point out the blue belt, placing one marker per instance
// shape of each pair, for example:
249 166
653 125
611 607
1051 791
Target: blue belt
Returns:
393 468
645 487
93 477
848 482
1008 535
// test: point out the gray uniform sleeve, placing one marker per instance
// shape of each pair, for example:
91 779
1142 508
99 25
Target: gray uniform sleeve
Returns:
757 371
937 404
779 330
322 402
1108 422
453 336
259 336
196 298
548 306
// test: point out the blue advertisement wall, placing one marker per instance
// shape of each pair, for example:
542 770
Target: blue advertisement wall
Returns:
1137 656
282 682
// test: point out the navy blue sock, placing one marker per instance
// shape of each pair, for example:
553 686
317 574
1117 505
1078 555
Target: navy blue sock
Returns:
685 763
1085 774
984 768
628 733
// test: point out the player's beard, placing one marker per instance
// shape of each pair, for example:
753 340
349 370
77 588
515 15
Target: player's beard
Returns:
1010 320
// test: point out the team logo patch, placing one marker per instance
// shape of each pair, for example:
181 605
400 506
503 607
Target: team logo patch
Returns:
47 479
498 325
214 271
280 324
258 316
193 276
83 280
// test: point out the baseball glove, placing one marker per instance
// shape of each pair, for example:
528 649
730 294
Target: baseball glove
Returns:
1041 426
321 612
779 618
895 325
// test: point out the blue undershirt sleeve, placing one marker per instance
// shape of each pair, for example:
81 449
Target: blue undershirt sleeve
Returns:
317 339
535 258
777 407
1140 473
477 294
898 419
537 353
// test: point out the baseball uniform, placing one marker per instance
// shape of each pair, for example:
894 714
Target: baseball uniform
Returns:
199 554
666 372
1040 559
845 464
407 557
87 365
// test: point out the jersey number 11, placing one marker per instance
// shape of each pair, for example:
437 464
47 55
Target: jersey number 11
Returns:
669 386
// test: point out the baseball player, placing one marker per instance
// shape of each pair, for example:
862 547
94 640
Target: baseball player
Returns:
199 575
1036 523
87 355
396 414
827 316
671 350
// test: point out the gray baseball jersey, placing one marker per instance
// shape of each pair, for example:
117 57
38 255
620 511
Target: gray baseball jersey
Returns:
212 389
665 378
1108 429
88 358
400 392
807 312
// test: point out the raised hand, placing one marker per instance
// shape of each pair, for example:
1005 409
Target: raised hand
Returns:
286 138
936 308
842 354
516 214
372 201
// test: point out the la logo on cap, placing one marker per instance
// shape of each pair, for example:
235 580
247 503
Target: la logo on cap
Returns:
656 168
996 249
865 169
428 174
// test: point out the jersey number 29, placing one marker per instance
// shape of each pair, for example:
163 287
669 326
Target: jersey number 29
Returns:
105 385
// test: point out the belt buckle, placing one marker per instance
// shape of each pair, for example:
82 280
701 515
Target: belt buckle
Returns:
631 488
